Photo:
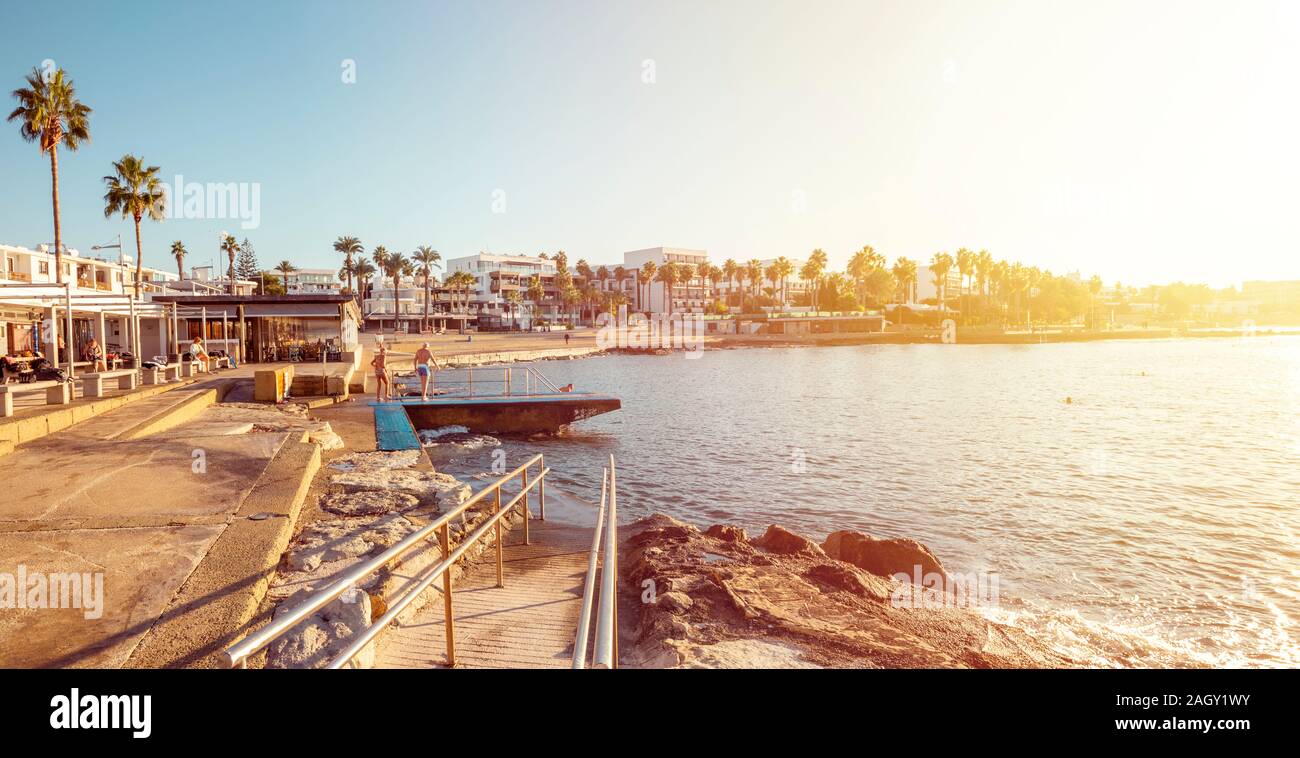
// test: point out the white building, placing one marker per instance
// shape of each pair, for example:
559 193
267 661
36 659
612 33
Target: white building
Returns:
691 295
498 275
312 280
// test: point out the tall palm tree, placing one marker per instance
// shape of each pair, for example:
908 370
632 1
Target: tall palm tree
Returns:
427 258
941 264
669 274
647 276
904 271
754 273
535 294
363 270
231 248
133 190
812 273
349 247
179 252
380 256
48 114
1094 288
784 269
861 265
397 265
731 270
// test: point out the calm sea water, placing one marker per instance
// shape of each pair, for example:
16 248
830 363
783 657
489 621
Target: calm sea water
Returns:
1152 520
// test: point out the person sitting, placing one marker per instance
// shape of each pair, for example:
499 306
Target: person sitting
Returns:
198 354
567 388
94 354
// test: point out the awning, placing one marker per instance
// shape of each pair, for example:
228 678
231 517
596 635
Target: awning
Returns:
300 310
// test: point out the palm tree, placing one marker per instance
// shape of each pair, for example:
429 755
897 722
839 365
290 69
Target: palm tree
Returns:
397 265
363 269
998 283
905 272
1094 287
861 264
941 264
669 275
179 252
134 191
784 269
286 268
714 276
48 114
731 270
380 256
427 257
535 293
349 246
231 248
647 276
811 272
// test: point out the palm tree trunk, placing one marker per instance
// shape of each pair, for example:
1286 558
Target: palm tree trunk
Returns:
232 273
58 231
395 285
426 301
351 291
139 257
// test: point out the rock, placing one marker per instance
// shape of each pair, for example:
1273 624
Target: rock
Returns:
837 576
329 541
442 490
676 602
884 557
325 436
782 541
380 459
323 635
727 533
368 502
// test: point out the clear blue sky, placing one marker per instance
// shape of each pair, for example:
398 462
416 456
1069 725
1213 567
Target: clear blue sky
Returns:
1142 141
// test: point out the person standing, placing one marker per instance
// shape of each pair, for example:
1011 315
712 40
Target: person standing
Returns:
424 366
380 362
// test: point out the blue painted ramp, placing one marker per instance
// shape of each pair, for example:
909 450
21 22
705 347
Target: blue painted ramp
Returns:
393 430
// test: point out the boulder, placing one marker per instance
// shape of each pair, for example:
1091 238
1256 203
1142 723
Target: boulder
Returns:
883 557
329 541
727 533
368 502
324 634
782 541
442 490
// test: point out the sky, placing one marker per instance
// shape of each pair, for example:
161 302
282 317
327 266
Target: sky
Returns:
1145 142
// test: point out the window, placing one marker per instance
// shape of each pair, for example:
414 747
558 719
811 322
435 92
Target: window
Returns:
45 267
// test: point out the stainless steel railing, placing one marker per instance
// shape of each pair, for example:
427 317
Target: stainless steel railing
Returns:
489 381
237 655
605 655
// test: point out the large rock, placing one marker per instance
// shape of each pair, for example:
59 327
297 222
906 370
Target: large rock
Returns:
368 502
379 459
727 533
782 541
330 541
883 557
323 635
442 490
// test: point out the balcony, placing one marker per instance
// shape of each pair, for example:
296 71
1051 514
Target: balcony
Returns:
17 276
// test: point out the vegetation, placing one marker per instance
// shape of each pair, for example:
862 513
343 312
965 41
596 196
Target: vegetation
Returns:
50 115
133 190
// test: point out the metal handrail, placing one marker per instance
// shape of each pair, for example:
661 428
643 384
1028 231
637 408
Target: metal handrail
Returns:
237 655
533 379
605 655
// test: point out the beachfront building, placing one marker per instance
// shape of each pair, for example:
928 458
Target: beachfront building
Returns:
926 288
306 281
495 277
691 295
264 328
379 311
210 280
99 294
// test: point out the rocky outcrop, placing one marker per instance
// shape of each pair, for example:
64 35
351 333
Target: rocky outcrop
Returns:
429 487
884 557
782 541
727 533
707 598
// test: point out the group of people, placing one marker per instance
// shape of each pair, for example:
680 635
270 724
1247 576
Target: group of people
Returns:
425 367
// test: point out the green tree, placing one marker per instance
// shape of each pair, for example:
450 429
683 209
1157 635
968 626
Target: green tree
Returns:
246 266
50 115
349 248
231 248
426 258
134 191
179 252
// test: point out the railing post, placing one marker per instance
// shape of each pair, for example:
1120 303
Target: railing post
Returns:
525 504
501 572
541 490
444 539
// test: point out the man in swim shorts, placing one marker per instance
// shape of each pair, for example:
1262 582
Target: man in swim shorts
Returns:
424 366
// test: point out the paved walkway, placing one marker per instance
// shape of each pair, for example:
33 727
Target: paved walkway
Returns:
530 623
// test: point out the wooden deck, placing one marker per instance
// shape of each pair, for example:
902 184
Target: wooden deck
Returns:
530 623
